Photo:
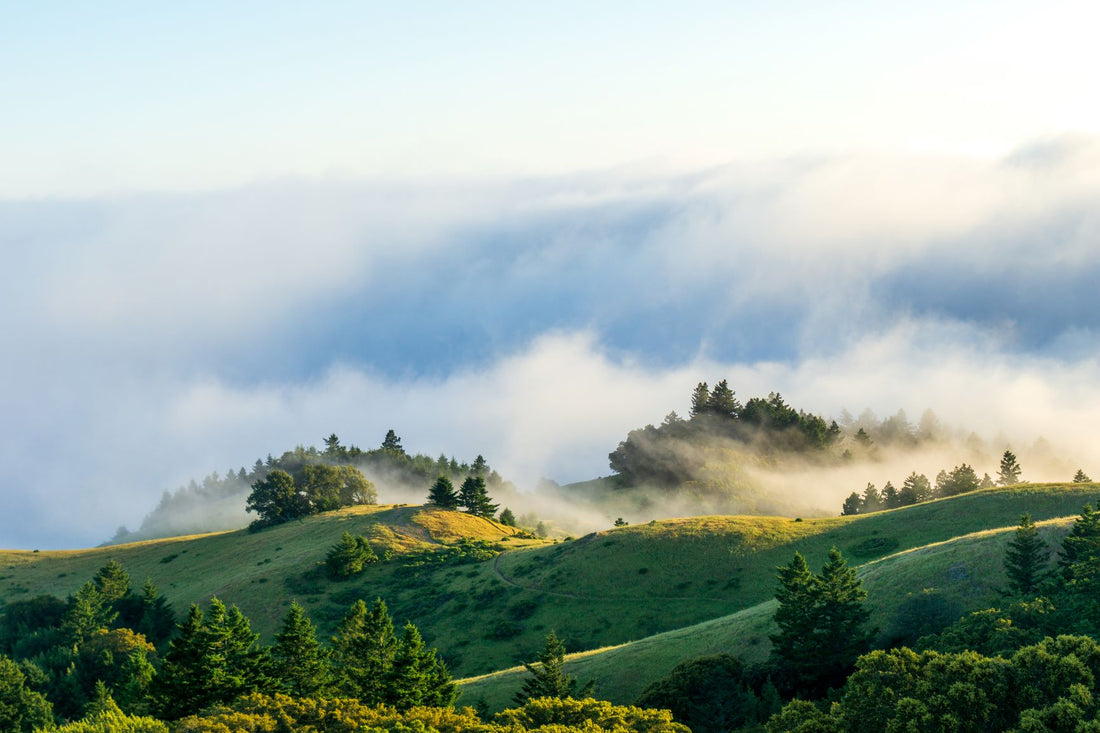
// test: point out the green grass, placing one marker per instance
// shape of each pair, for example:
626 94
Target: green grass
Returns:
608 588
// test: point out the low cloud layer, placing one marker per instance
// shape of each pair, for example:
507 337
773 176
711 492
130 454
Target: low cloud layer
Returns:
154 339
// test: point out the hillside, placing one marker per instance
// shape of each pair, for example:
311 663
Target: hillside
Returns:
603 589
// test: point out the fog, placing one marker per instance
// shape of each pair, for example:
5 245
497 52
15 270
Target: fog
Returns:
151 339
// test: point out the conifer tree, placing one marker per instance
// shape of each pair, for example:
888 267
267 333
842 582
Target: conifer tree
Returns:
547 677
1010 470
507 518
1079 560
408 678
112 582
363 650
1025 557
349 556
851 505
299 664
890 498
21 708
700 400
88 612
475 498
915 489
157 617
821 620
1081 477
722 402
443 493
871 500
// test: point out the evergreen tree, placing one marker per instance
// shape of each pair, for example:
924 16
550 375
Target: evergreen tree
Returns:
443 494
408 678
700 400
392 444
349 556
21 708
1025 558
915 489
821 620
475 498
157 617
851 504
1010 470
363 651
299 664
1079 560
214 659
112 582
722 402
480 466
890 498
507 518
547 678
1081 477
871 500
88 612
987 482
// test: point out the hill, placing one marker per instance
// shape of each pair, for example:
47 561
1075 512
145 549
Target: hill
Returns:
607 588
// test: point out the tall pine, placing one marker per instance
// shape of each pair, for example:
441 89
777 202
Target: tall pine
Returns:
363 650
1009 472
547 677
443 494
1025 558
475 498
299 664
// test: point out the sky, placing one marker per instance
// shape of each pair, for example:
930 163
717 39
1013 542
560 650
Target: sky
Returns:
523 229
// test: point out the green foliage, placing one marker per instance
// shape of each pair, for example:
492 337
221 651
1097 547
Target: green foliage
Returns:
852 505
443 494
474 497
960 480
709 694
1049 686
349 556
112 582
546 678
299 664
275 499
21 709
119 659
1079 561
214 659
1009 472
507 518
567 714
88 612
1025 558
1081 477
822 622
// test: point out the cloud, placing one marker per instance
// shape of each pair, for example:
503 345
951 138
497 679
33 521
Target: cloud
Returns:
156 338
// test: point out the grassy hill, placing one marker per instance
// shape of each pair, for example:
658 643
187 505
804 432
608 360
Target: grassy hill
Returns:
608 588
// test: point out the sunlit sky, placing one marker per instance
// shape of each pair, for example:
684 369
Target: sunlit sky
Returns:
522 229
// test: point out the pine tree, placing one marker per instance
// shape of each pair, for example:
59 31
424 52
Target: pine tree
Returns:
915 489
851 504
112 582
88 612
363 650
21 708
871 500
475 498
507 518
299 664
1025 557
890 498
1079 560
547 677
1010 470
1081 477
821 620
407 680
349 556
443 494
700 400
722 402
392 444
157 617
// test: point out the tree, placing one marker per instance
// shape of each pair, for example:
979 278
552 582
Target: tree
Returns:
961 480
700 400
355 488
363 650
890 497
333 447
299 664
119 659
1025 558
158 620
213 659
915 489
88 612
722 402
21 709
507 518
276 499
851 505
475 498
112 582
547 679
1079 560
1010 470
480 466
871 501
392 443
443 494
1081 477
709 694
821 620
349 556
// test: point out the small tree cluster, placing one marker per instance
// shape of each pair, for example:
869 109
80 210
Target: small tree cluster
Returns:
349 556
315 487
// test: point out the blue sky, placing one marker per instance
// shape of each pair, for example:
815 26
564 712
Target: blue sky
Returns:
524 229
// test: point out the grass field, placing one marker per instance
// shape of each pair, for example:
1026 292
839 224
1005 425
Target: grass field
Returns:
671 579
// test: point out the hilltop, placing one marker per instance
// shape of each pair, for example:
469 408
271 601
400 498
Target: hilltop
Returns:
652 581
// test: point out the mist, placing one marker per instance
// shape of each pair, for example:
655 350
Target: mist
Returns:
537 321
